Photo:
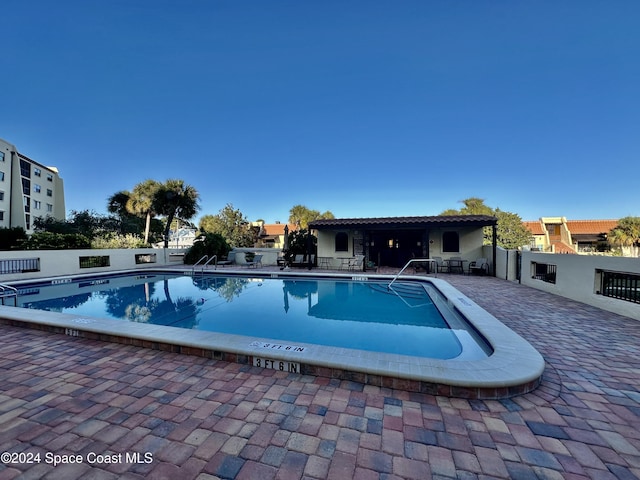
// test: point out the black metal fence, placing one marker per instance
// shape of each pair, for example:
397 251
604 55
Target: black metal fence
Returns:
624 286
94 261
545 272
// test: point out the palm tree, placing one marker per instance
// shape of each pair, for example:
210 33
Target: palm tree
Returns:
626 234
141 203
174 199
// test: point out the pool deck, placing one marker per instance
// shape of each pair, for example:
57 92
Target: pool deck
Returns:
207 419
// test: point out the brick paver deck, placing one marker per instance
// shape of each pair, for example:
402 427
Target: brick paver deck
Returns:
125 412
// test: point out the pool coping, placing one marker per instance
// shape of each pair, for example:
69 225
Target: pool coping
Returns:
513 368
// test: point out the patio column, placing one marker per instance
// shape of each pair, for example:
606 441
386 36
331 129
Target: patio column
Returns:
494 245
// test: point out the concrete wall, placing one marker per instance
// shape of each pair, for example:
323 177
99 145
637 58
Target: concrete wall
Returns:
506 262
577 278
269 255
55 263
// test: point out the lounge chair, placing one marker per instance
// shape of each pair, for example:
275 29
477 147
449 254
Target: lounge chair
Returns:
231 259
257 260
480 266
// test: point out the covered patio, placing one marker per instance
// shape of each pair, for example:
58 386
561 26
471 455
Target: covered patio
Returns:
393 241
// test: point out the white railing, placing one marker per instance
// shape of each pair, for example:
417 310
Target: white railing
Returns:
414 260
7 291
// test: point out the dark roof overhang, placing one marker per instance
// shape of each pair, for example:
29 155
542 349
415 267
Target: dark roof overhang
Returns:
405 222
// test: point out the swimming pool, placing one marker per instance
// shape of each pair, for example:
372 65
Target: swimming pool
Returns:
409 318
502 366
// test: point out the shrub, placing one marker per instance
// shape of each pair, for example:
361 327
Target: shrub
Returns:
12 237
56 241
116 240
207 244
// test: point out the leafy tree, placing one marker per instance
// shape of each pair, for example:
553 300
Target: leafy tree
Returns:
510 231
207 244
626 234
298 244
141 203
301 215
175 199
232 225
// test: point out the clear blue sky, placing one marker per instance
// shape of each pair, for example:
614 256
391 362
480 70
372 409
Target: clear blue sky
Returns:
364 108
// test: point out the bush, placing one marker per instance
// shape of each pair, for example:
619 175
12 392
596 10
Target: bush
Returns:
12 237
207 244
116 240
56 241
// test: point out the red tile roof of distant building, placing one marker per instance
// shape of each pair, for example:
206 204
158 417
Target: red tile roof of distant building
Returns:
578 227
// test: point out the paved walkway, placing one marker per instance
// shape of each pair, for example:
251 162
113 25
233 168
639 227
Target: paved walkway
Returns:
67 399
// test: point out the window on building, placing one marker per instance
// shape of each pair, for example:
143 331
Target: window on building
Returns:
342 242
37 188
49 177
49 192
37 172
37 204
1 196
1 156
25 169
1 215
49 208
450 242
1 176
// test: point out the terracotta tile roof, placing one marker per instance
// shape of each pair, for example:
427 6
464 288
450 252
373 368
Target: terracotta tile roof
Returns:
561 247
438 220
271 229
535 227
582 227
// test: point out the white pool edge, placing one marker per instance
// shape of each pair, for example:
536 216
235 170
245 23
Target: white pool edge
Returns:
514 365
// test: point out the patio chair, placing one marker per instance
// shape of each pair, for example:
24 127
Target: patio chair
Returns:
257 260
356 263
481 266
440 265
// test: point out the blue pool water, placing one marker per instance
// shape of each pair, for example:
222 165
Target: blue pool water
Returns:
350 314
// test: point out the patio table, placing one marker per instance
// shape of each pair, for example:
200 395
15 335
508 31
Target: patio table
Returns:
324 262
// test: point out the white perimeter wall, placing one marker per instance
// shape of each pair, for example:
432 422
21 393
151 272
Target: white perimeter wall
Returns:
577 278
54 263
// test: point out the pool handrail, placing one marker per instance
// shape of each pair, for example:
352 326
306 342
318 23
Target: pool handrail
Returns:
7 291
215 265
204 257
430 260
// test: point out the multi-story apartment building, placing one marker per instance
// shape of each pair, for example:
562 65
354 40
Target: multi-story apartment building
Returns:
28 189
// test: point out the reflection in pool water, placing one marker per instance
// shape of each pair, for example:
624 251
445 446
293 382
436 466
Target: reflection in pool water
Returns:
348 314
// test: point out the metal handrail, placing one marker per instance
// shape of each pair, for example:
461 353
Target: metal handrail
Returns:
205 257
431 260
215 265
12 292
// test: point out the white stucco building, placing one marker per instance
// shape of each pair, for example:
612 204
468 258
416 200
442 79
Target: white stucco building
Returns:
28 189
